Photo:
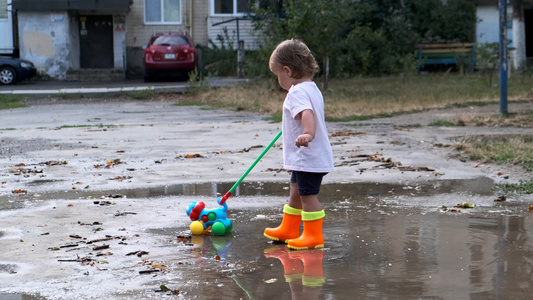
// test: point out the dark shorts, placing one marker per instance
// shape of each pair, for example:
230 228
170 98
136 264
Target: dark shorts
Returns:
308 183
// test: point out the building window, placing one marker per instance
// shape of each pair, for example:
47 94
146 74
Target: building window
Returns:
162 11
3 9
230 7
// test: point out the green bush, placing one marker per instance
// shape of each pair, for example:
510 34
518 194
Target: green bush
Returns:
220 59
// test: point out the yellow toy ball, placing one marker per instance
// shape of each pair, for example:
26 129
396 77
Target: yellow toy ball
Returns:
197 228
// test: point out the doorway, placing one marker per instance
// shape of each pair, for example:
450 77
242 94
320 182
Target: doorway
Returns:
528 23
96 42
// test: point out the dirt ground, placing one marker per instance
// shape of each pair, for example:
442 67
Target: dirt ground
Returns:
66 168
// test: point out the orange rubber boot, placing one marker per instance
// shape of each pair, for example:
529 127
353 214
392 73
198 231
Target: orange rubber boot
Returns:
289 227
312 234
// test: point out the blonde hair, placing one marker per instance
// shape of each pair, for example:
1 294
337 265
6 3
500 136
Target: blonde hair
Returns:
296 55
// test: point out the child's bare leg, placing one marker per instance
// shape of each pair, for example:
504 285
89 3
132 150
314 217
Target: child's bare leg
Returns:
311 203
294 198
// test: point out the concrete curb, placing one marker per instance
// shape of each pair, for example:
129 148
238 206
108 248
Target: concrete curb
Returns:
44 88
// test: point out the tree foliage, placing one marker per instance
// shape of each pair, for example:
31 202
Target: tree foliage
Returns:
364 37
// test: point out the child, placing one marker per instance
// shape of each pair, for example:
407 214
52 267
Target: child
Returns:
306 148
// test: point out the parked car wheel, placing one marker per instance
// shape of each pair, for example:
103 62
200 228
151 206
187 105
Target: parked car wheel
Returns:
14 69
148 78
7 75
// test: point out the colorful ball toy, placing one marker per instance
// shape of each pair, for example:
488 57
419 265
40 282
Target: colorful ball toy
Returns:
205 220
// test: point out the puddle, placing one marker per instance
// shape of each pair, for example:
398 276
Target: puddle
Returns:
372 256
18 297
375 249
368 255
479 186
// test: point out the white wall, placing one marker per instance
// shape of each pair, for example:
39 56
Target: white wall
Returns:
245 32
488 31
45 40
488 25
6 28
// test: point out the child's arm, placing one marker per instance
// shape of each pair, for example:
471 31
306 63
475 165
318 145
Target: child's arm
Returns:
308 123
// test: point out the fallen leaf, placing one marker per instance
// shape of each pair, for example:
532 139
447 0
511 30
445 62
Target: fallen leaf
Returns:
500 199
165 289
342 133
100 247
141 253
56 162
464 205
120 178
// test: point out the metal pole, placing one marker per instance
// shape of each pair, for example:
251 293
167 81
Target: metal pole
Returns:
240 60
238 35
503 56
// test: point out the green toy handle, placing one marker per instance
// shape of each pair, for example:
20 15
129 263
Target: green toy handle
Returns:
228 194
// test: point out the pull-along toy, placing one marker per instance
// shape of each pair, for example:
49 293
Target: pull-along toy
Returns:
215 219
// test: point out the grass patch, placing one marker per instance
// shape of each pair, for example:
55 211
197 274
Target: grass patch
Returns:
510 149
141 94
275 117
356 99
442 123
10 102
521 119
70 96
4 129
146 94
522 187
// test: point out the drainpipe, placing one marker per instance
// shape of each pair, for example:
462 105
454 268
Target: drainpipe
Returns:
191 20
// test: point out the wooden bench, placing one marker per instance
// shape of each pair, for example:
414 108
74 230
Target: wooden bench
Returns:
446 55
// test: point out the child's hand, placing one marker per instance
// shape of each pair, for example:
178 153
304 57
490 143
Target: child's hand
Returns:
303 140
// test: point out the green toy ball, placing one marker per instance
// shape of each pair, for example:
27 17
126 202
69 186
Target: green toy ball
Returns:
218 228
197 228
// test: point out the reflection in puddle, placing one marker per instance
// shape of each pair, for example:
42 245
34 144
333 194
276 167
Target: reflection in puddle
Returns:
303 270
370 255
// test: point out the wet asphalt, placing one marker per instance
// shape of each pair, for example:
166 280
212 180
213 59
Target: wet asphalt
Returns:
382 241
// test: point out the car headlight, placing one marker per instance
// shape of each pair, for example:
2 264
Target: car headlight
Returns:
26 64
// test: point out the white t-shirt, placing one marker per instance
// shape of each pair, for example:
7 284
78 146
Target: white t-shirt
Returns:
318 156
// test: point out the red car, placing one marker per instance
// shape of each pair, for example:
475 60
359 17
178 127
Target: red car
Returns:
169 54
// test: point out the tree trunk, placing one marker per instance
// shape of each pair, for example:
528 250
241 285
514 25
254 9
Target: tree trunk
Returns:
325 76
